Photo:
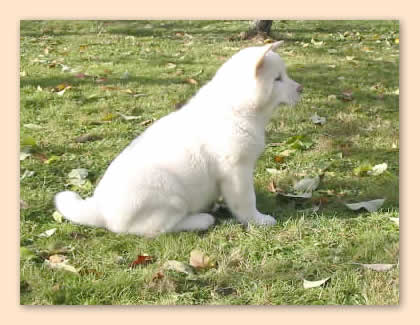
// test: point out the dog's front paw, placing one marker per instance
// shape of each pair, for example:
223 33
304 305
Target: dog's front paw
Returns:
264 220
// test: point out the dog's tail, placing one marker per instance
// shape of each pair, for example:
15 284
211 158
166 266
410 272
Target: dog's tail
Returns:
77 210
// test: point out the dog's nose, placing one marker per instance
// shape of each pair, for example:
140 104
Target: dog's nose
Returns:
299 89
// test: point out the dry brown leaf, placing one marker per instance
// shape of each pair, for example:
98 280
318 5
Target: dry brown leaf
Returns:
60 262
279 159
23 204
347 95
192 81
272 187
199 260
147 122
101 80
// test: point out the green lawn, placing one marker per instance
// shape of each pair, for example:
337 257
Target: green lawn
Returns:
77 77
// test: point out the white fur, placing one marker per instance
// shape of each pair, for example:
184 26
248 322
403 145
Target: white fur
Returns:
172 173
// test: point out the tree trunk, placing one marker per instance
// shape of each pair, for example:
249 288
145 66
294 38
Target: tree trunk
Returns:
262 26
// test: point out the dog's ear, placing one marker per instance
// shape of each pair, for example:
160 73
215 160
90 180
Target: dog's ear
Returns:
265 50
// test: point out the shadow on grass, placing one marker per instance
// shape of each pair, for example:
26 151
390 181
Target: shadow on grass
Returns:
138 28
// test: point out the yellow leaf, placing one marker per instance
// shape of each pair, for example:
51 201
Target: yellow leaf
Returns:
397 41
108 117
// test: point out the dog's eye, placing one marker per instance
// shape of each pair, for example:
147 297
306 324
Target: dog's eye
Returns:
279 78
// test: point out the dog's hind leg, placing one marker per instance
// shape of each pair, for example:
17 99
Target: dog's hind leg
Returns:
201 221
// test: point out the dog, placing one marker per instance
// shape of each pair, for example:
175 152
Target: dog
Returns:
170 175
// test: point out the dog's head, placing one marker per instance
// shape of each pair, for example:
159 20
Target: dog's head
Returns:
272 79
257 77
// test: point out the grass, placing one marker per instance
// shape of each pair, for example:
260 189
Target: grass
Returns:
254 265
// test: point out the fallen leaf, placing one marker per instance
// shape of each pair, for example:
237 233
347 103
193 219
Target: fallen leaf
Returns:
314 284
279 159
23 205
60 262
57 216
27 141
272 187
27 173
347 95
158 276
146 122
109 117
110 88
96 273
378 169
197 73
191 81
52 159
307 184
395 220
128 91
65 68
26 254
377 267
318 119
332 97
199 260
78 176
32 126
125 75
129 118
370 206
299 142
274 171
141 260
318 44
101 80
306 195
178 267
61 87
40 156
363 169
48 233
80 76
83 48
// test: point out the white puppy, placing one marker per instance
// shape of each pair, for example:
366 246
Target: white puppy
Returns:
170 175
